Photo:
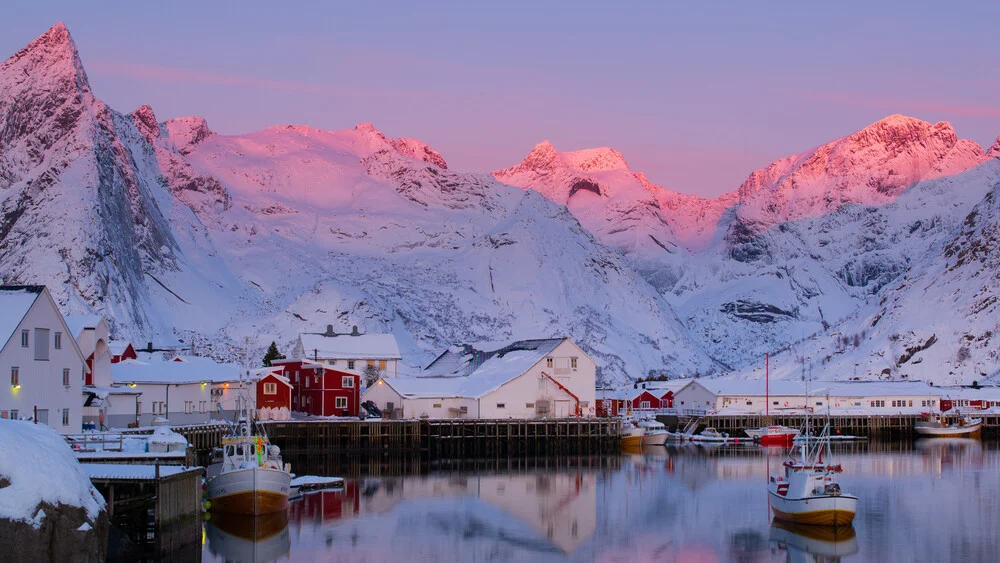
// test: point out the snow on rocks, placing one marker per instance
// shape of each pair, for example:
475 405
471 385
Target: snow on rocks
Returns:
40 468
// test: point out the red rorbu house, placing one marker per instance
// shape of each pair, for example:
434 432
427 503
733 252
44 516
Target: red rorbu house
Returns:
319 390
274 391
644 399
609 402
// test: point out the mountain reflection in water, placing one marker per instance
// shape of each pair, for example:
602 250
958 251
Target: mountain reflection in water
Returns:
928 501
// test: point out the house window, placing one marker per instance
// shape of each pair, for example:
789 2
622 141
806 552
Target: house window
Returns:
270 388
15 376
13 414
347 382
42 344
437 405
307 382
341 402
66 377
548 362
819 403
201 406
749 403
774 403
644 404
572 363
910 403
24 339
382 364
350 364
501 405
65 417
57 341
529 405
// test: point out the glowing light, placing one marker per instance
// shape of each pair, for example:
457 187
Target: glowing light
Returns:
131 385
226 385
380 382
203 384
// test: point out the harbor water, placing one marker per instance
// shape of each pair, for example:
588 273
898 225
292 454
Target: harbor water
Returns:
929 501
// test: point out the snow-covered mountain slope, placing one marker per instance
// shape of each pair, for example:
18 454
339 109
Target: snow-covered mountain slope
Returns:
80 205
174 231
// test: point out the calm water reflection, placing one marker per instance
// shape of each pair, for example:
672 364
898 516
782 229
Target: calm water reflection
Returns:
936 501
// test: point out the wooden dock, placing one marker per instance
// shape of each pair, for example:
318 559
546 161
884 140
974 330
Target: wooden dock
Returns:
162 502
876 427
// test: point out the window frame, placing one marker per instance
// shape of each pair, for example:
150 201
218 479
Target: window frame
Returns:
338 400
350 364
65 417
347 381
57 341
25 338
270 388
573 362
15 376
65 375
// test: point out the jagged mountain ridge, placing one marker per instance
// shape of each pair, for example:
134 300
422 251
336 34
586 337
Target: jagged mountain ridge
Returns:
208 238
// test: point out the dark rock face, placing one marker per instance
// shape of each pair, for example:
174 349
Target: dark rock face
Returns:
57 539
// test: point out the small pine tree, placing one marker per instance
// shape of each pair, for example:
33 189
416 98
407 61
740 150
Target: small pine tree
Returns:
371 374
272 354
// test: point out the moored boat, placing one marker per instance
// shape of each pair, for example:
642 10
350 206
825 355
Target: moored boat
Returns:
935 426
250 477
773 435
654 433
631 435
807 492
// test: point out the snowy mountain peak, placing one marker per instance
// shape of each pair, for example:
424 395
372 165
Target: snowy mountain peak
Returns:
415 148
994 151
368 128
601 158
870 167
145 122
52 56
187 132
544 158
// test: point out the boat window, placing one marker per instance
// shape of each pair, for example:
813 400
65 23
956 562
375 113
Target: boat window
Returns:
229 451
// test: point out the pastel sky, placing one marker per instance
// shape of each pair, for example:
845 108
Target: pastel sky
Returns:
694 95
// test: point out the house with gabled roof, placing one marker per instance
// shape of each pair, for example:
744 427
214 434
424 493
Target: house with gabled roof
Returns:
41 358
545 378
350 351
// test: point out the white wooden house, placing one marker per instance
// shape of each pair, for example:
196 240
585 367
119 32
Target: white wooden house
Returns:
184 390
352 351
526 379
40 361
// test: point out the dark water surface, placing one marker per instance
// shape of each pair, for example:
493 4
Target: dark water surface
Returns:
935 501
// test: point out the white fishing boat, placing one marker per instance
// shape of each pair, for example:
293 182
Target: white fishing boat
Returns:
249 477
935 426
807 491
654 433
710 434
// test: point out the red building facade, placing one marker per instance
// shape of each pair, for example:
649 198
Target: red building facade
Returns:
127 354
321 390
274 391
667 400
645 400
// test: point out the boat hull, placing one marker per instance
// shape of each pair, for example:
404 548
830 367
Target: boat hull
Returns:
815 511
971 431
632 441
657 439
254 490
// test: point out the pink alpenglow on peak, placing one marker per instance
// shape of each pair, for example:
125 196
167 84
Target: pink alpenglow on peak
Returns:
621 207
870 167
186 132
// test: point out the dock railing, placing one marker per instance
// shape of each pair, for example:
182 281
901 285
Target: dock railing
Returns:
89 441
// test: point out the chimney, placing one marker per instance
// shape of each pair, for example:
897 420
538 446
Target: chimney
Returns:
149 346
354 331
329 331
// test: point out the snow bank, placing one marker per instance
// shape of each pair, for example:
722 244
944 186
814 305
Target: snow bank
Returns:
44 469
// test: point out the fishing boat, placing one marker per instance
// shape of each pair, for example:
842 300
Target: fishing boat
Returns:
248 476
934 425
654 433
807 491
631 435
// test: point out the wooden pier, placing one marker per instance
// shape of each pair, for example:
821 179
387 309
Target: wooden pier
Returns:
158 502
876 427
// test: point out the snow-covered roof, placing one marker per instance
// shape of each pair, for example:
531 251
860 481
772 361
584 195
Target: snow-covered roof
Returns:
674 385
192 370
126 471
752 387
970 393
610 394
15 300
117 347
350 347
492 373
77 323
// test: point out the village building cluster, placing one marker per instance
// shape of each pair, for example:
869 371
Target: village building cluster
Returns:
66 371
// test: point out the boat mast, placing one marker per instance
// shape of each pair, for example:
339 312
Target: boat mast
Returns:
767 390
